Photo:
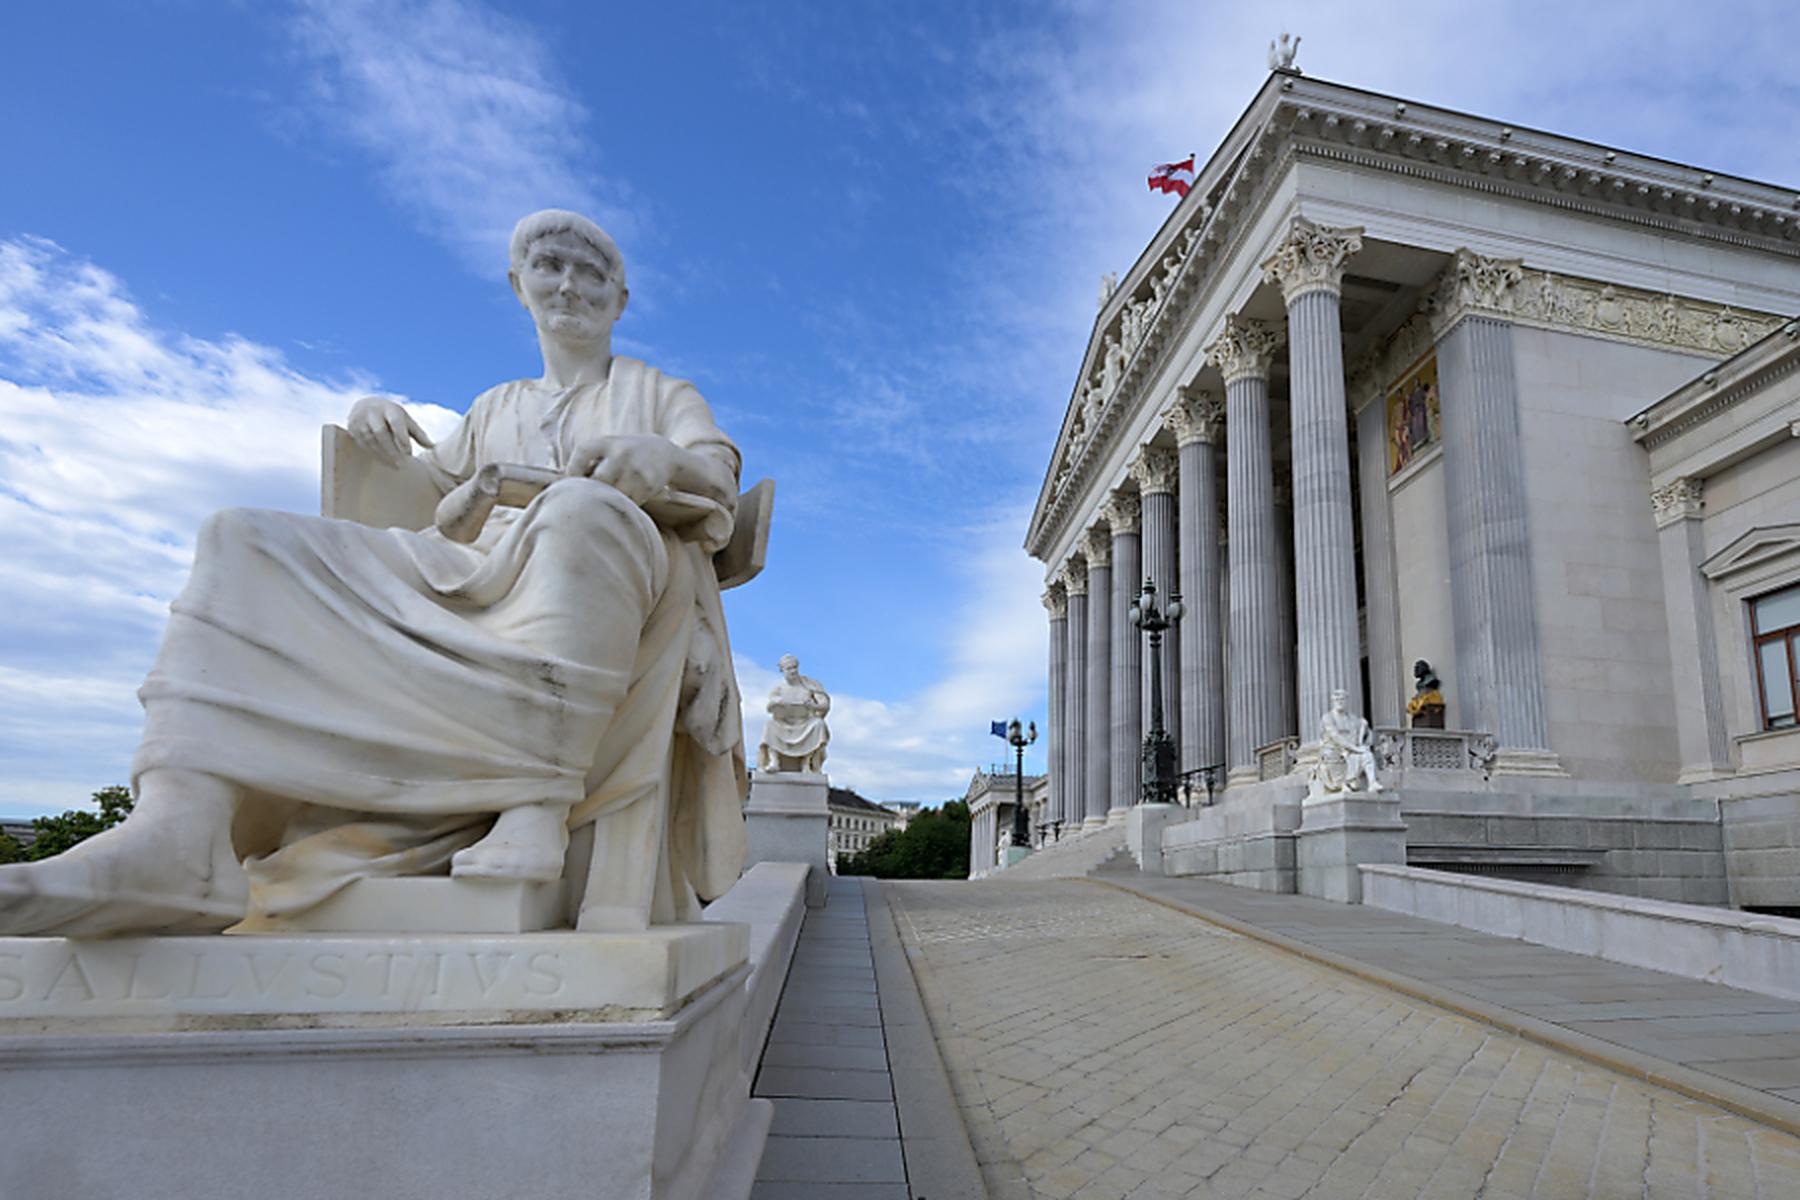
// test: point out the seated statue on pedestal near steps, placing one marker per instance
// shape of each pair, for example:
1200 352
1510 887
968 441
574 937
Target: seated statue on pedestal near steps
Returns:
334 701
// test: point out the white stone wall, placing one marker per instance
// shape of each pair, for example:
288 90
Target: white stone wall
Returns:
1595 557
1422 570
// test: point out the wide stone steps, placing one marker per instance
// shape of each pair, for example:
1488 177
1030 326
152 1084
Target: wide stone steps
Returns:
1070 858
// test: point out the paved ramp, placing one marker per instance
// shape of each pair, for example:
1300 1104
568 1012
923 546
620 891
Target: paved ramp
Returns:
1104 1046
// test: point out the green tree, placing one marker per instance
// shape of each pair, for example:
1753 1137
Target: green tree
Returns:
10 850
56 834
934 845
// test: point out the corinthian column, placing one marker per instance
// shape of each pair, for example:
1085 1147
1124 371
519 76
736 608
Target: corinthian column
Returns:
1243 353
1074 726
1096 546
1122 513
1056 604
1198 422
1693 649
1156 471
1308 266
1494 604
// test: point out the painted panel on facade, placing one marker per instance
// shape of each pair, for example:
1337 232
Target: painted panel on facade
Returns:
1412 414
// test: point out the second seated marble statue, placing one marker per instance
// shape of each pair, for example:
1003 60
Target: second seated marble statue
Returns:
334 701
796 735
1346 752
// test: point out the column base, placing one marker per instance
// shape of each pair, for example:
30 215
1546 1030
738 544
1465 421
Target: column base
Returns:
1094 822
1543 763
1116 816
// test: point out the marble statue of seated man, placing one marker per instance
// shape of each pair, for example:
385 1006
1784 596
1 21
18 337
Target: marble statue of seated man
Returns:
1346 752
334 701
796 735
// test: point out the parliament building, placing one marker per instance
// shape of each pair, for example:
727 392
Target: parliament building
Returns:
1490 428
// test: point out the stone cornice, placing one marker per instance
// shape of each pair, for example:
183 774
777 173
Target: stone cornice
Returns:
1310 258
1743 375
1682 500
1124 512
1196 416
1474 285
1156 470
1244 349
1305 117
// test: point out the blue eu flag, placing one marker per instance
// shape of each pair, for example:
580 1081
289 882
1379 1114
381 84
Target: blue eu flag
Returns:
998 729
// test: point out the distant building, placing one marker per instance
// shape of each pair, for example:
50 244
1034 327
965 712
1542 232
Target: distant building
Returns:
904 811
22 832
991 798
855 822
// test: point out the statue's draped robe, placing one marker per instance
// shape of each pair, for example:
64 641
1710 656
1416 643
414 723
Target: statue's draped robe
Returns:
380 694
796 726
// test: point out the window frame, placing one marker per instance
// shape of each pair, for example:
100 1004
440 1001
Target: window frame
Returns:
1787 635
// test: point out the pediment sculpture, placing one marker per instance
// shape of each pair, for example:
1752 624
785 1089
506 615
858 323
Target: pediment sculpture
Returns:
504 638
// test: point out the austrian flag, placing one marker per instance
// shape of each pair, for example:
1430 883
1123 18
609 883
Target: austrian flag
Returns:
1175 177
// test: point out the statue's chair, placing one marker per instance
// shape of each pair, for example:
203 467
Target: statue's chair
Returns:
358 486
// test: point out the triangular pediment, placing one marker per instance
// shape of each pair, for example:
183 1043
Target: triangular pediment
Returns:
1752 549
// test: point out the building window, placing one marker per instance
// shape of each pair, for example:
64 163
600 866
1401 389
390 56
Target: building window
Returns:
1775 627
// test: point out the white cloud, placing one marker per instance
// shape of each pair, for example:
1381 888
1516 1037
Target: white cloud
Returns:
925 746
116 439
463 111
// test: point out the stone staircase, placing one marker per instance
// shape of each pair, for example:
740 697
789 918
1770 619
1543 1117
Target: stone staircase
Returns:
1072 857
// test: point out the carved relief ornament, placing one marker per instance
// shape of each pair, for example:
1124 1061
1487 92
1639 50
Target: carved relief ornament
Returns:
1197 416
1096 547
1122 511
1244 349
1311 259
1156 471
1658 319
1679 501
1074 577
1474 285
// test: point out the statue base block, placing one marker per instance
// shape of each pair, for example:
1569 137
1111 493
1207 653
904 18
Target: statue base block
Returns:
425 1110
788 819
62 985
435 905
1340 832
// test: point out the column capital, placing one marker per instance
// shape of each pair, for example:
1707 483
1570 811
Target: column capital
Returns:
1683 500
1475 285
1156 471
1074 577
1056 601
1096 546
1196 416
1122 511
1245 348
1310 258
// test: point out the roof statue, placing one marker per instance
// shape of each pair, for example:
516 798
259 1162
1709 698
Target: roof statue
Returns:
1281 57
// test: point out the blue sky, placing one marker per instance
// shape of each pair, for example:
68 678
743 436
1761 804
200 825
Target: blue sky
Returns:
870 232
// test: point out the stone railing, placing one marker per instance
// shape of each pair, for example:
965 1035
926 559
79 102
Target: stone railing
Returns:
1400 752
1276 758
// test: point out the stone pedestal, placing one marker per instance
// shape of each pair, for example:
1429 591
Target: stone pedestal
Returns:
413 1067
435 905
788 819
1144 827
1339 833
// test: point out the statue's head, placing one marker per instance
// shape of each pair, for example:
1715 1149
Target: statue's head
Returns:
790 666
1338 699
568 274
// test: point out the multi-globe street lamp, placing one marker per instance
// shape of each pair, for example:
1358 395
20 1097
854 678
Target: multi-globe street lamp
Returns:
1159 775
1018 738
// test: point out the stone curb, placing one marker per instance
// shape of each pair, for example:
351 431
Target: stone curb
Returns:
1696 1085
940 1163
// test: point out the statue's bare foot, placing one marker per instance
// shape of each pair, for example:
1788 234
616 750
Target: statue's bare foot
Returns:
526 844
170 868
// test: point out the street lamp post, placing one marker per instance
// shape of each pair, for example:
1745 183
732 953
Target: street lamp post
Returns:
1019 738
1159 777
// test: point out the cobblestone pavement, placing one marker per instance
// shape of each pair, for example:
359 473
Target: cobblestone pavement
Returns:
1104 1047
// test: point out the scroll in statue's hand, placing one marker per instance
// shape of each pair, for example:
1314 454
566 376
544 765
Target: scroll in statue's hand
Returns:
462 513
384 429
